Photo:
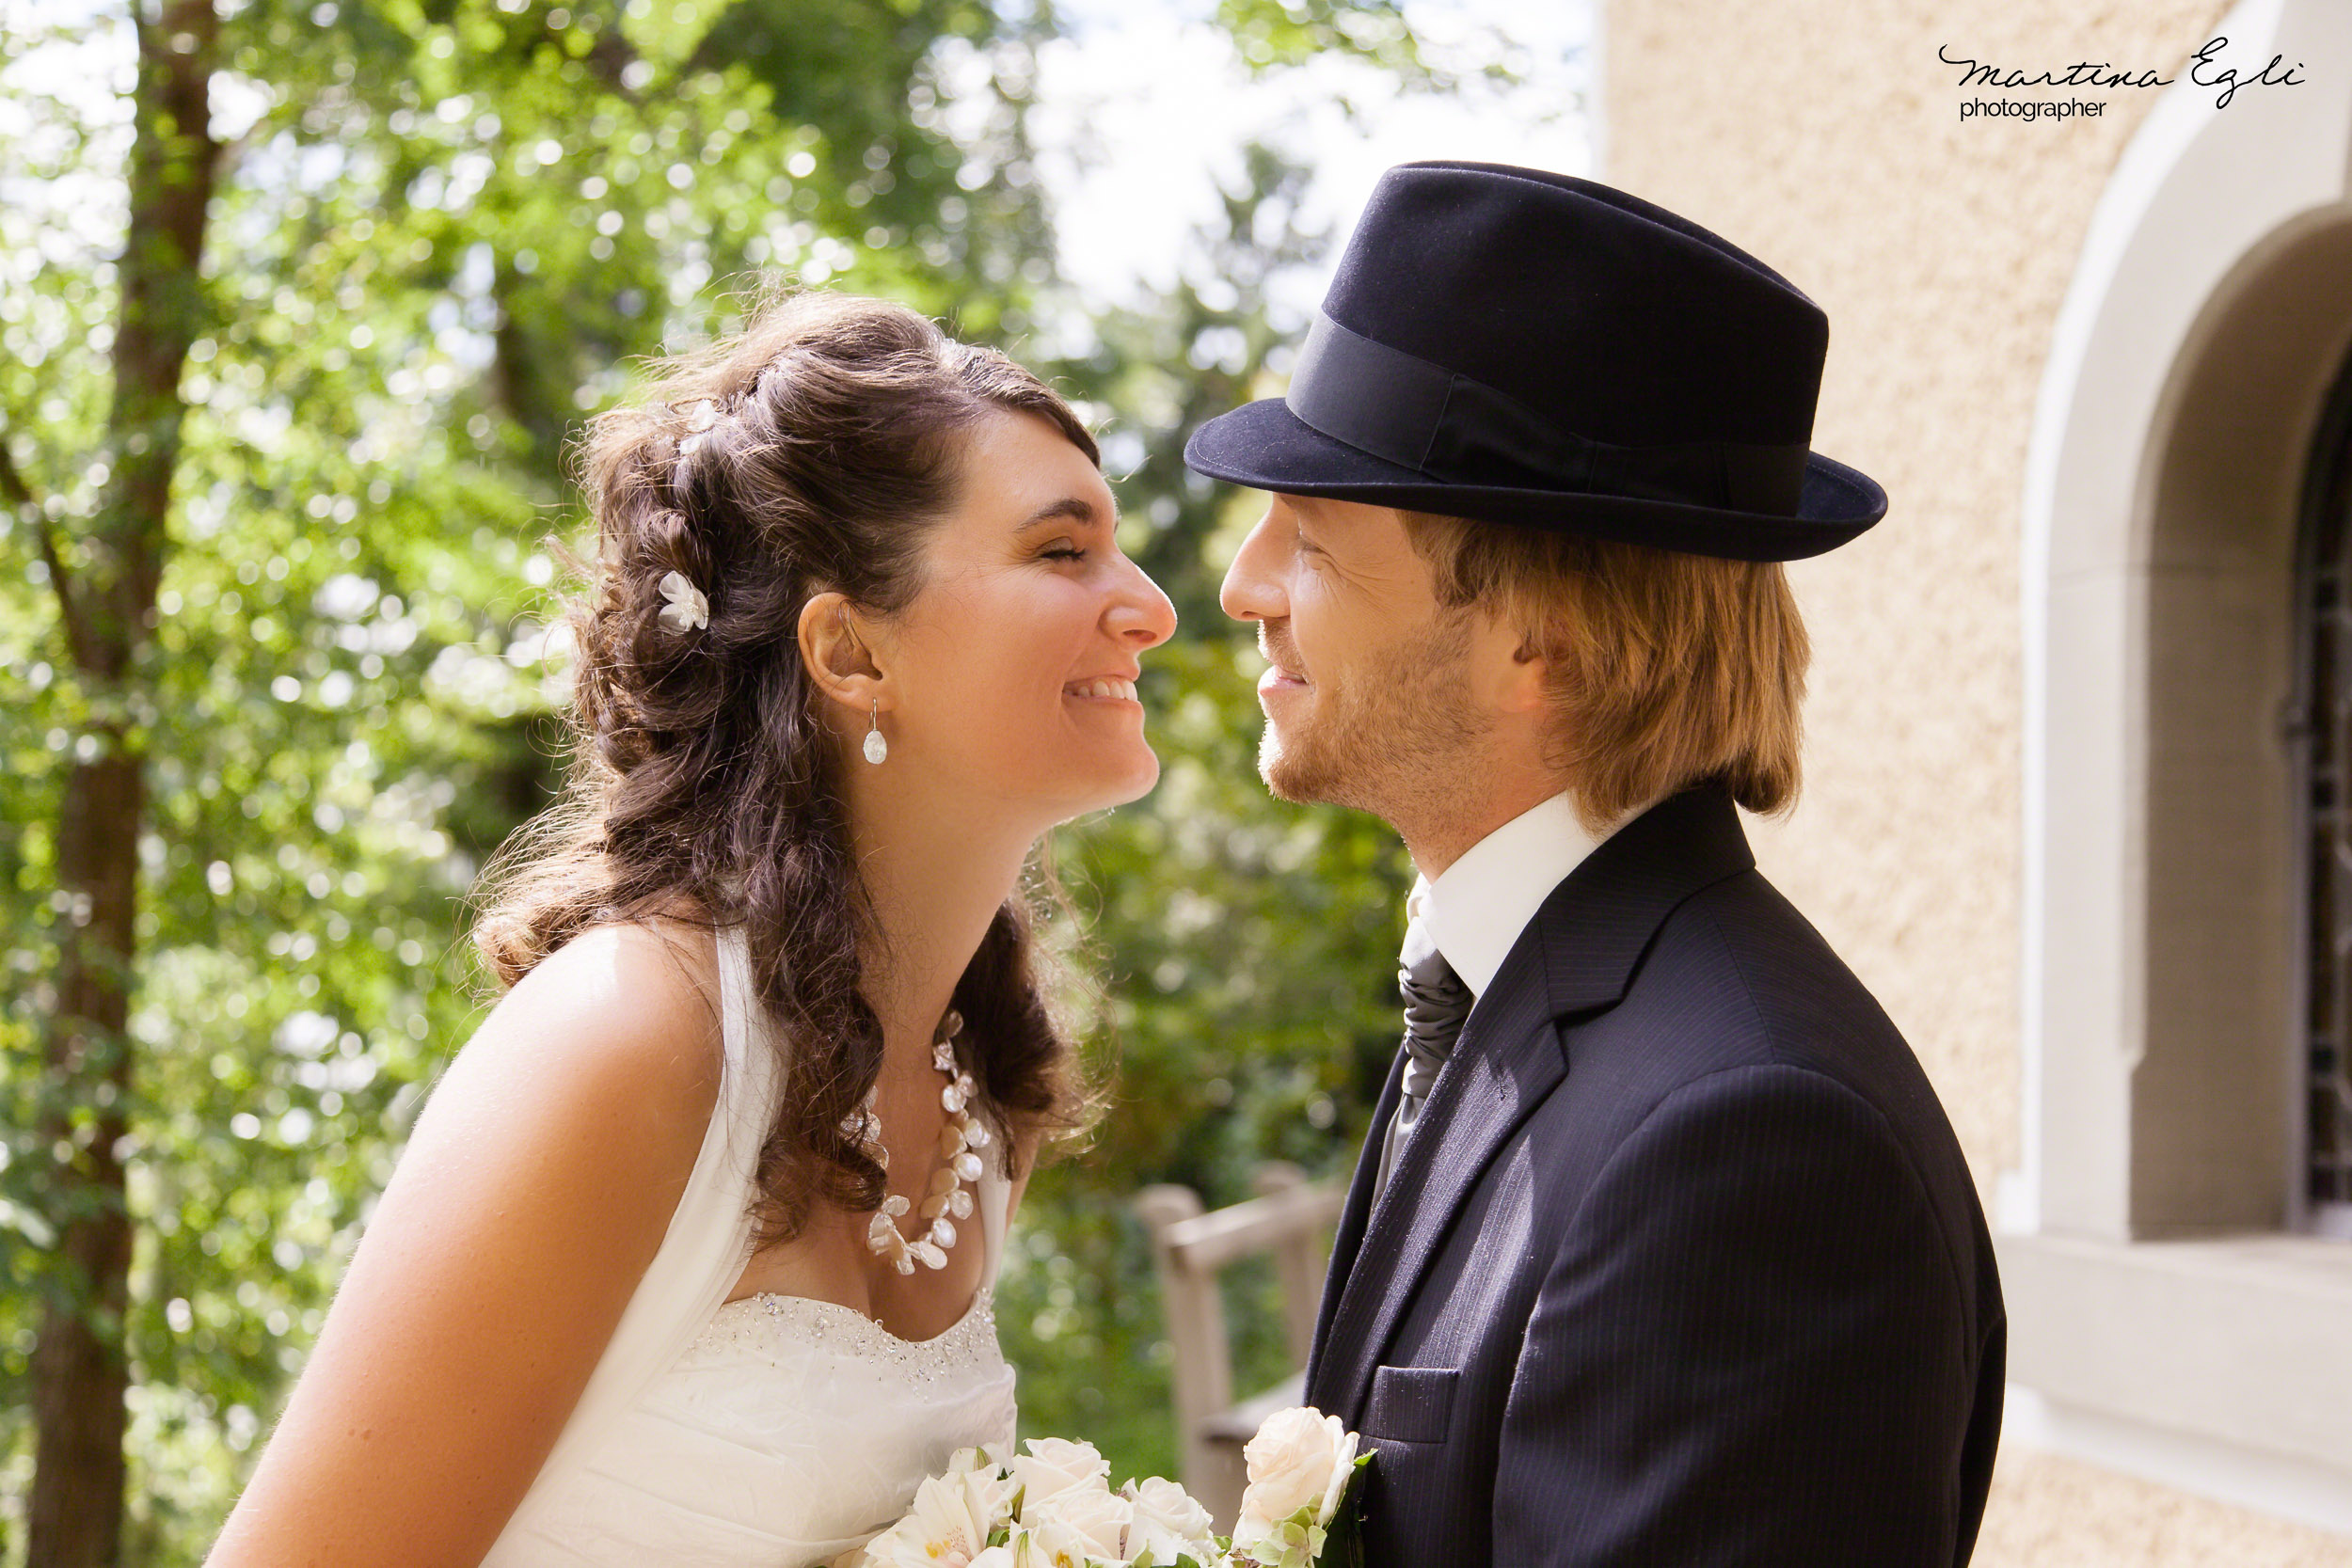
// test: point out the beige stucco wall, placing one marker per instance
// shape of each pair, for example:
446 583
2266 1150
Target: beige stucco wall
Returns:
1823 135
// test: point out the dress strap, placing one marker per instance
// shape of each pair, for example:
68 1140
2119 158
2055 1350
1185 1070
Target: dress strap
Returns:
749 1039
700 1259
995 1206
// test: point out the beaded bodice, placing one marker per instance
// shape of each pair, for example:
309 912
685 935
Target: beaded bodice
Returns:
761 1328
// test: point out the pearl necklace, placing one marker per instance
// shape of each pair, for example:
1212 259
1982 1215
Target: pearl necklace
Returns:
945 1201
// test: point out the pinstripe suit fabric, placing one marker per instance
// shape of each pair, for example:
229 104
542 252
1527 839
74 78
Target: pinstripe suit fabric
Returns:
1682 1265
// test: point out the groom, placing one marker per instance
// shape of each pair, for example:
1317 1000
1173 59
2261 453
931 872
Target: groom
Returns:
1662 1251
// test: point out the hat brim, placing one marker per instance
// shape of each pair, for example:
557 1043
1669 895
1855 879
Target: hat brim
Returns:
1267 447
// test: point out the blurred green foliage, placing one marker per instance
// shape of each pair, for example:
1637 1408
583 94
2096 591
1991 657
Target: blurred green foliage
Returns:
445 230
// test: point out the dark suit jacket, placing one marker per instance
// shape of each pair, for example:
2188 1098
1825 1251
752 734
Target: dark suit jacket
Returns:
1681 1265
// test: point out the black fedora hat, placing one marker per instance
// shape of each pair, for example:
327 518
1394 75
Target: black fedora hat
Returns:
1522 347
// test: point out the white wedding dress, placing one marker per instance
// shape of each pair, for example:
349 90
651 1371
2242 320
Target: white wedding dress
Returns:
772 1431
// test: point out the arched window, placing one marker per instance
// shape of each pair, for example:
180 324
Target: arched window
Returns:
2321 725
2188 960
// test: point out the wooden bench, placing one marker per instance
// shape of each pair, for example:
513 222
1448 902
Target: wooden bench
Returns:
1290 1218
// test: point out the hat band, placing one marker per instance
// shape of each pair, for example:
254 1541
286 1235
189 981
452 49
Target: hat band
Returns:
1413 412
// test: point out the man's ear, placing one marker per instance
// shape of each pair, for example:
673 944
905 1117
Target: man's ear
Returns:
1509 662
1531 669
836 653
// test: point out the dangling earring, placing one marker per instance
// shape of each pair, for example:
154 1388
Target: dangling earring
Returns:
876 746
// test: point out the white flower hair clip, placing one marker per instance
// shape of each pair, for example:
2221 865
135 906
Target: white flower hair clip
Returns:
700 417
687 609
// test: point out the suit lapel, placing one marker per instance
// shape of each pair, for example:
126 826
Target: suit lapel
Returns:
1506 1061
1348 1242
1576 955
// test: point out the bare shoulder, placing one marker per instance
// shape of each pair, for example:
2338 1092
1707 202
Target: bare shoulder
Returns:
590 1085
635 1005
608 1053
534 1192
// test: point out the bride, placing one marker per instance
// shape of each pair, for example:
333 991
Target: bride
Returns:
688 1258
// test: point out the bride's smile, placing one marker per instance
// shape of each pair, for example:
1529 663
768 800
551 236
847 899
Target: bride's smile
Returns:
1010 677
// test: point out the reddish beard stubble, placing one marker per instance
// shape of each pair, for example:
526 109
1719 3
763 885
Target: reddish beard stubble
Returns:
1392 735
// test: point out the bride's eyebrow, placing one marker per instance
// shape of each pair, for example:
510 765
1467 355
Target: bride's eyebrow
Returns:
1075 508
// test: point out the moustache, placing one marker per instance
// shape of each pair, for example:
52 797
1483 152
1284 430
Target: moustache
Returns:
1276 647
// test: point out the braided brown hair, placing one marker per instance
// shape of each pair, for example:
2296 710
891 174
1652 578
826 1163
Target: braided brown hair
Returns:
813 451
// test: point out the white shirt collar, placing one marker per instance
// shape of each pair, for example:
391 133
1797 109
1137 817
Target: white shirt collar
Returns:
1478 905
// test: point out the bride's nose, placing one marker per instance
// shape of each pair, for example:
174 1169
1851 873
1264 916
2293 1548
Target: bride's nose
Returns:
1140 616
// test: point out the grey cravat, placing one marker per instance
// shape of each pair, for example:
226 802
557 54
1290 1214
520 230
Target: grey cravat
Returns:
1435 1001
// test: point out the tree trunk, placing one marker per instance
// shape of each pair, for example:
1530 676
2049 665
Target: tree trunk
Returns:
80 1367
79 1372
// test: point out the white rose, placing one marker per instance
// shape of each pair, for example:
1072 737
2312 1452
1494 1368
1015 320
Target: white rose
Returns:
1299 1459
1053 1465
1097 1519
1170 1524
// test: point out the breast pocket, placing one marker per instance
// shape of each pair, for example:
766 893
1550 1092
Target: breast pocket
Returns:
1410 1405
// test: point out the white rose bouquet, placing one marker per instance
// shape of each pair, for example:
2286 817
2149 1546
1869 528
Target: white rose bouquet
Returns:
1054 1507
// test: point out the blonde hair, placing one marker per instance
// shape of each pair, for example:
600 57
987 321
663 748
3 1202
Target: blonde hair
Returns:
1665 669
